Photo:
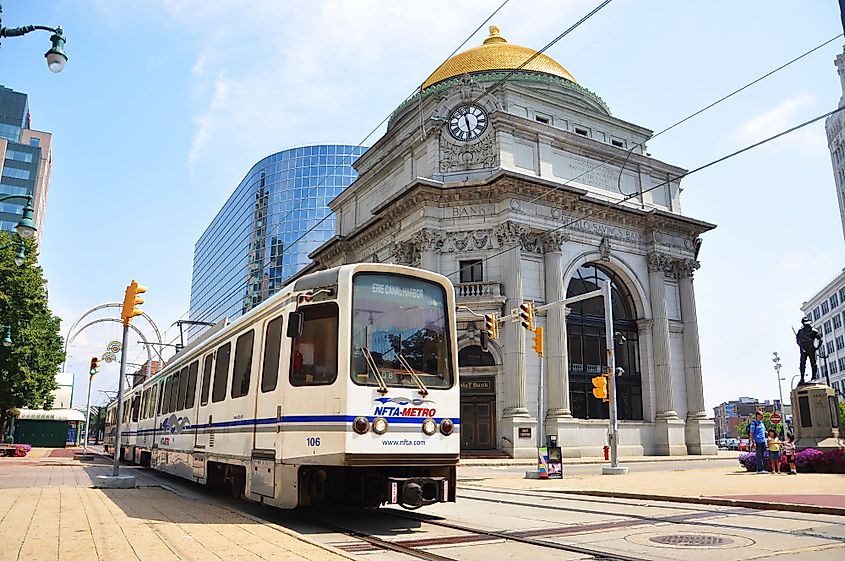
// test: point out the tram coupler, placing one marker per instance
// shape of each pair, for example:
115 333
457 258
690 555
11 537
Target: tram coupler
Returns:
415 492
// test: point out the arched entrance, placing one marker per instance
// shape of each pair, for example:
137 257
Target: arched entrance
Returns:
478 398
586 342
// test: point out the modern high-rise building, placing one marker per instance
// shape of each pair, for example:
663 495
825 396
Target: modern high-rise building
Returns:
276 216
26 161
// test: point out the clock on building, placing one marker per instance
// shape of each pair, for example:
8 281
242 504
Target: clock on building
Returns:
467 122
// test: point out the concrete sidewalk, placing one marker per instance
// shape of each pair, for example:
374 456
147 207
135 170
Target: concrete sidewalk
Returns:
479 461
698 482
50 511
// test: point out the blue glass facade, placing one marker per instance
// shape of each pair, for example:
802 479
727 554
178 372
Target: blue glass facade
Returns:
20 161
263 234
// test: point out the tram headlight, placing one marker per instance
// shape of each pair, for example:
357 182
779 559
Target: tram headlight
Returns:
447 426
379 425
361 425
429 426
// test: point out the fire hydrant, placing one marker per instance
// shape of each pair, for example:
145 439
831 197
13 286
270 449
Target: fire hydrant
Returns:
607 452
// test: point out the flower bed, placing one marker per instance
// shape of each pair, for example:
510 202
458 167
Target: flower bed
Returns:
21 450
808 460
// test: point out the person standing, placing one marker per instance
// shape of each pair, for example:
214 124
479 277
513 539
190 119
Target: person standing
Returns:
773 443
789 453
757 438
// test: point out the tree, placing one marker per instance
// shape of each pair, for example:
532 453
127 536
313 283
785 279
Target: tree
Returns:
28 367
767 421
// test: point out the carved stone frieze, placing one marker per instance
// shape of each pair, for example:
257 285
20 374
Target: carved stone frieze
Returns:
472 240
428 239
460 157
405 252
510 234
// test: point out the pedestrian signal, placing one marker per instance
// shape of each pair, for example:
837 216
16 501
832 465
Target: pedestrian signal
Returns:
491 326
600 387
95 366
526 315
538 341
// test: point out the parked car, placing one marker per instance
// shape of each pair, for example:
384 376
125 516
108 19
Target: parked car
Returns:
722 443
733 444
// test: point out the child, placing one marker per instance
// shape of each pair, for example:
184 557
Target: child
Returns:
789 452
774 451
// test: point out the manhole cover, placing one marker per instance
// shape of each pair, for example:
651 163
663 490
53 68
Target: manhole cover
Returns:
692 540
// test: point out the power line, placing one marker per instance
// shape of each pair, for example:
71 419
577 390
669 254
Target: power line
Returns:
676 178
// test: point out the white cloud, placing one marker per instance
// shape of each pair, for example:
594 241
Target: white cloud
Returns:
785 115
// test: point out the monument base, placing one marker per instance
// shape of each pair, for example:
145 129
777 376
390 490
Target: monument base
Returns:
815 411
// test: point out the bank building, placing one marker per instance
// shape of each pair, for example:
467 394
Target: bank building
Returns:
509 177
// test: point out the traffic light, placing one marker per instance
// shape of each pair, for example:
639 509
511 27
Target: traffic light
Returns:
130 301
600 387
538 340
491 326
95 366
526 315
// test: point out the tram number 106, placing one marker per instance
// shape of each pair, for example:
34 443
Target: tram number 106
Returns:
312 441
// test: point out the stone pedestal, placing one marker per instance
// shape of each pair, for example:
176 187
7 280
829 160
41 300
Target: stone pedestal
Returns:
114 482
566 429
815 418
699 435
514 444
669 437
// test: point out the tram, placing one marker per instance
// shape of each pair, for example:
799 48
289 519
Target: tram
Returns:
341 389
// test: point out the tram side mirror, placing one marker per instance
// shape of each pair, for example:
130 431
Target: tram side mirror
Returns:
485 340
295 320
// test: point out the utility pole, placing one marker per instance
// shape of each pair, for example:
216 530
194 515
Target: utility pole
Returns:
777 367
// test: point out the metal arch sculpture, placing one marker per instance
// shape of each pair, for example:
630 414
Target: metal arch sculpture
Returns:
71 335
114 320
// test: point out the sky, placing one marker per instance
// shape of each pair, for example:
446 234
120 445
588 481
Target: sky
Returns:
164 105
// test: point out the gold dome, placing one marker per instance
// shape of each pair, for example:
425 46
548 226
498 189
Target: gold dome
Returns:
496 54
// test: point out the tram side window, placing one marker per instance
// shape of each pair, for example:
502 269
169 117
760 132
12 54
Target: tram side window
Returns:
153 397
168 386
126 411
314 354
272 348
243 364
183 389
206 378
144 396
136 407
160 397
192 384
174 393
221 373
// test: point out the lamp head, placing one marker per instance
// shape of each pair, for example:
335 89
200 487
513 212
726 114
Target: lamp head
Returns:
7 336
26 226
56 57
20 256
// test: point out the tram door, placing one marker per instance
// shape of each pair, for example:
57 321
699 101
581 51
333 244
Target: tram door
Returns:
478 413
273 365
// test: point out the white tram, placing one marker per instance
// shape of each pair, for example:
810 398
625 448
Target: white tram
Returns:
340 389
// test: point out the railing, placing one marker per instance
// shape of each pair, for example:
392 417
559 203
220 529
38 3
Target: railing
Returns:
478 289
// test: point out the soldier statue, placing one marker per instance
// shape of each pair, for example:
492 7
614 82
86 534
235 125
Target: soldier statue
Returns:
806 339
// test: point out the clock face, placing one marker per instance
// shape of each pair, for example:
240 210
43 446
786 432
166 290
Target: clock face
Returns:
467 122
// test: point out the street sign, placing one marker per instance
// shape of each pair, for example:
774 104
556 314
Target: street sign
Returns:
515 315
775 418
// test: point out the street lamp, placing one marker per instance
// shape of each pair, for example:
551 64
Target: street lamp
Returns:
777 367
25 227
56 57
7 335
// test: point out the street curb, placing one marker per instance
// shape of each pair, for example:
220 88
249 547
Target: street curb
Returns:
757 505
597 461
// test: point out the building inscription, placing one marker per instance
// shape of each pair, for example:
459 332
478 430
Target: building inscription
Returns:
598 229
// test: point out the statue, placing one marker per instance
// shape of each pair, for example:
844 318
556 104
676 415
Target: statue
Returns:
806 339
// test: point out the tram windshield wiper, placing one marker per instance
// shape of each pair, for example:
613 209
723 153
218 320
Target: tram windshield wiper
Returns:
404 362
368 356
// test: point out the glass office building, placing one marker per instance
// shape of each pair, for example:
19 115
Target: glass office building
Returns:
277 215
25 161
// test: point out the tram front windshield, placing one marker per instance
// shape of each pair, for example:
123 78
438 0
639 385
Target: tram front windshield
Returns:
399 332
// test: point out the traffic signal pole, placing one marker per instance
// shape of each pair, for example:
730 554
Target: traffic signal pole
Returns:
603 292
117 425
87 417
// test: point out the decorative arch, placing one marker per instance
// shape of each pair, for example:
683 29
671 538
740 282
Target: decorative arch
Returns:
493 349
585 330
618 266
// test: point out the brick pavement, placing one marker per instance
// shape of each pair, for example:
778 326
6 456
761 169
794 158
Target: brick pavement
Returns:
50 511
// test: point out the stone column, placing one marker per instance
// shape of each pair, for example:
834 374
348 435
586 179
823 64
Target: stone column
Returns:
699 431
669 430
658 265
557 363
510 237
429 242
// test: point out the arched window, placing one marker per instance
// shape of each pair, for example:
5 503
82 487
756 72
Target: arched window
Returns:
473 355
587 350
